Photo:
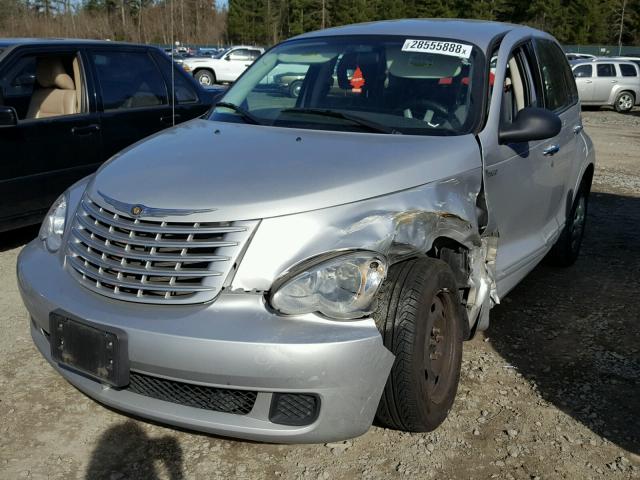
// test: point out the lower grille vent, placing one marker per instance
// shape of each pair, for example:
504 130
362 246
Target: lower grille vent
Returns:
239 402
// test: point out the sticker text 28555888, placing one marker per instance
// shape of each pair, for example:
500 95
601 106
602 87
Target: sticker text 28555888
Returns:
435 46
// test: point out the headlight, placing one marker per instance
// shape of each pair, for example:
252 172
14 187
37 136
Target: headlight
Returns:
53 225
343 287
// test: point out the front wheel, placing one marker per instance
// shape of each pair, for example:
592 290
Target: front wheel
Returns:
420 318
624 102
205 77
294 89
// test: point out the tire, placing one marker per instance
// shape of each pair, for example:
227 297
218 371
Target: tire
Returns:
624 102
205 77
420 318
294 89
565 251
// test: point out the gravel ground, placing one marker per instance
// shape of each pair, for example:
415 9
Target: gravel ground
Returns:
551 390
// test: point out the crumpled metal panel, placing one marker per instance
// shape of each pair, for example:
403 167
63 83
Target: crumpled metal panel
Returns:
396 225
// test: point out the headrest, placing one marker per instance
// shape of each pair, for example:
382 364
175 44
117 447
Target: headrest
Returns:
50 73
368 62
424 65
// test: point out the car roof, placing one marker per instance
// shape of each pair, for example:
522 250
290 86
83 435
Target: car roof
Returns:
11 42
478 32
617 61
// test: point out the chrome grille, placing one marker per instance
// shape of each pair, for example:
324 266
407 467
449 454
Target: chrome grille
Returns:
152 261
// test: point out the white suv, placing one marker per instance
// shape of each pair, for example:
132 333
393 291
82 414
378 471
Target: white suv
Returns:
225 67
608 82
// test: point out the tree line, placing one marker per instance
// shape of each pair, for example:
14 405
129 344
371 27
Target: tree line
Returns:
572 22
265 22
143 21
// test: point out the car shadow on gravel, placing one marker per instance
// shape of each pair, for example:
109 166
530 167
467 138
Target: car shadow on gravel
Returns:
125 451
575 332
16 238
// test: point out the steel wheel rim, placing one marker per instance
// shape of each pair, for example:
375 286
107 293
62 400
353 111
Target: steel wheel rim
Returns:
625 102
439 348
577 223
205 80
295 91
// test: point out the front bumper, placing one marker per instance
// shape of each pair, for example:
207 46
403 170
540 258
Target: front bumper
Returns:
235 342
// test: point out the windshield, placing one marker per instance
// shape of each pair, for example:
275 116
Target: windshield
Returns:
384 84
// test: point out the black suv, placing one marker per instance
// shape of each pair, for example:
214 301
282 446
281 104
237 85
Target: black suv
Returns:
66 106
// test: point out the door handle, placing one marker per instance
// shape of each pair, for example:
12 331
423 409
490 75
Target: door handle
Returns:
614 81
588 81
551 150
88 130
577 129
169 119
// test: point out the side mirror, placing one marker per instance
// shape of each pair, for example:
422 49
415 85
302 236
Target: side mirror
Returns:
8 117
531 123
228 58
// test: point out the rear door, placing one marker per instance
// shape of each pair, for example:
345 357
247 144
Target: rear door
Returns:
49 149
584 81
133 99
560 96
604 81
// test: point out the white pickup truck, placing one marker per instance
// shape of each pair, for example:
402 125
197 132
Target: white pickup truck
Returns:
225 67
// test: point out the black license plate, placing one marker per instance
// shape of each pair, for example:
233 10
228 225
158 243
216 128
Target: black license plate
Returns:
94 350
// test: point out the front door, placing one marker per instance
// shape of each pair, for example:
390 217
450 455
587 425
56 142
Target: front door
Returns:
237 62
518 177
584 81
57 139
133 101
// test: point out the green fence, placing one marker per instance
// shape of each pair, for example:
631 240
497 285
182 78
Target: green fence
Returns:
602 50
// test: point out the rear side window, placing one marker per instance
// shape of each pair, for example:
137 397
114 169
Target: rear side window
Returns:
628 70
557 80
129 80
583 71
606 70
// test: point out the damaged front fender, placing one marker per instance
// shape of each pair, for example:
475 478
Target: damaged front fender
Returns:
398 226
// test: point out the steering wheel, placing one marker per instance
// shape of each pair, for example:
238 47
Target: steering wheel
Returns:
439 109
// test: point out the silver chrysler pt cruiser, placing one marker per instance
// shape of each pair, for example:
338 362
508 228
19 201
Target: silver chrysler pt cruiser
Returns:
292 267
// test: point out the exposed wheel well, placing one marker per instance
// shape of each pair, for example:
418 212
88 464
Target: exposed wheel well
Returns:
587 177
628 91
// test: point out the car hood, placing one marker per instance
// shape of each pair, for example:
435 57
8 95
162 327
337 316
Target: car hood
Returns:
243 172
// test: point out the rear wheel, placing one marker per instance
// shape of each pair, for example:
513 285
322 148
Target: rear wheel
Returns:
420 318
624 102
205 77
567 248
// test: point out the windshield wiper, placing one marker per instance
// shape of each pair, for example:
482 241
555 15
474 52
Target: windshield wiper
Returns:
357 119
246 116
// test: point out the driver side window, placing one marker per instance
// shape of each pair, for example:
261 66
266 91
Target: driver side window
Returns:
518 88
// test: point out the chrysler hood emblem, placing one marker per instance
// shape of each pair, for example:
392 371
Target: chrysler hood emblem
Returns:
139 210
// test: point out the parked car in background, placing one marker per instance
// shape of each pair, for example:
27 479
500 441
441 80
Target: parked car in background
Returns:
290 268
66 106
608 82
226 67
579 56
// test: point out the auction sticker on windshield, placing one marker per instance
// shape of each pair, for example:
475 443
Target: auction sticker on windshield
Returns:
435 46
